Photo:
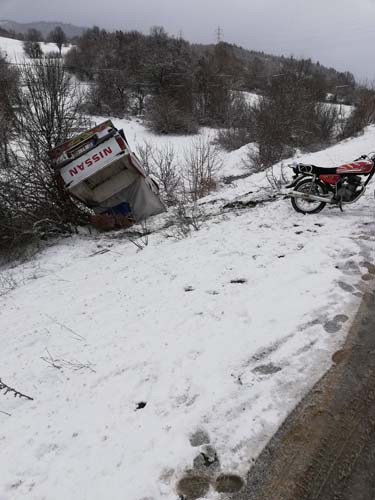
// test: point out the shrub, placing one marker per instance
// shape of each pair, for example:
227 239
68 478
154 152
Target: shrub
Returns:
327 121
164 116
32 49
362 115
201 162
239 128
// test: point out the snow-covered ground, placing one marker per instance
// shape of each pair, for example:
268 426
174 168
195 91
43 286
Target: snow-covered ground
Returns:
129 353
13 49
343 110
233 163
250 97
137 135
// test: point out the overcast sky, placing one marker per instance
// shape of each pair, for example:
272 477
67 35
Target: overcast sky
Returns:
339 33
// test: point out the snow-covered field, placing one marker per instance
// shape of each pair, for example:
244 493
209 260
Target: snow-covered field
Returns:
343 110
13 49
250 98
128 353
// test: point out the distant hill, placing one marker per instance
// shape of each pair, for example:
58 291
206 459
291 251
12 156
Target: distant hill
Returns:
262 67
252 56
43 26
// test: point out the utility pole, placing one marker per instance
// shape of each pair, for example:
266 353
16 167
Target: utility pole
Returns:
219 34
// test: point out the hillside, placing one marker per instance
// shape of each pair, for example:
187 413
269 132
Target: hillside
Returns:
13 49
138 361
266 65
43 26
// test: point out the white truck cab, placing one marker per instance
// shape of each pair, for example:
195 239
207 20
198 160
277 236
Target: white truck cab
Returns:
99 168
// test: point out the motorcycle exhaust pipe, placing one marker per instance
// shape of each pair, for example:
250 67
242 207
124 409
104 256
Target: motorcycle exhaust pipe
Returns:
312 197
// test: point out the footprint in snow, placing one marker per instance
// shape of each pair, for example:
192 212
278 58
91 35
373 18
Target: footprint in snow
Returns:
193 487
335 324
228 483
268 369
344 286
349 267
367 277
199 437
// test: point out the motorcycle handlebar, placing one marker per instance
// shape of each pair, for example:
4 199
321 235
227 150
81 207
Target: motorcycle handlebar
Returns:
369 156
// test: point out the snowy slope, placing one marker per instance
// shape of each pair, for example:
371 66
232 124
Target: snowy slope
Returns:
343 110
222 332
137 136
13 50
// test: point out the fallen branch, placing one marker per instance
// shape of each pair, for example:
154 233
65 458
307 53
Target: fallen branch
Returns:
6 388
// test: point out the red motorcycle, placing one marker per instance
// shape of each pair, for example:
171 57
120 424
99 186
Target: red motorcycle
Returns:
314 187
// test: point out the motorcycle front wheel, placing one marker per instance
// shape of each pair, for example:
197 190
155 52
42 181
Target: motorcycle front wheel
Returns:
308 186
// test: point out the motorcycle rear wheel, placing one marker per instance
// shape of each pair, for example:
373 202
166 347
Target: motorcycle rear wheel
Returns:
309 206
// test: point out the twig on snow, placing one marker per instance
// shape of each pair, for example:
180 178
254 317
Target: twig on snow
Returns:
61 363
70 330
6 388
52 362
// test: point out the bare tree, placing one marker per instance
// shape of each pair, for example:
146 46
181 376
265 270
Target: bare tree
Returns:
164 115
32 49
363 113
239 126
186 218
146 151
32 198
58 37
9 85
165 170
162 164
201 162
110 94
49 113
34 35
327 121
286 116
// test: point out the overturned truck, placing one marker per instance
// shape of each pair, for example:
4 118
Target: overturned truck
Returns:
99 169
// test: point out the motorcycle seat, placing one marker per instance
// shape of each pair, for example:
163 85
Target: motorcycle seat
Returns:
313 169
324 170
